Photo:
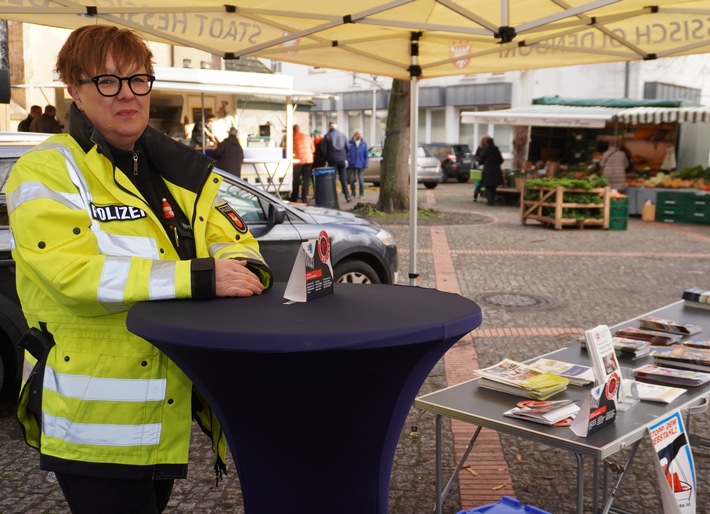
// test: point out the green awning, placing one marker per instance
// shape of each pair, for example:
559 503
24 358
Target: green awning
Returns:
625 103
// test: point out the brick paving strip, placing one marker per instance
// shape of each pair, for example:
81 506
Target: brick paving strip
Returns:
485 477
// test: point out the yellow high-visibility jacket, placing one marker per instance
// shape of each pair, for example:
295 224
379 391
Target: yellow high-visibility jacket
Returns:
87 246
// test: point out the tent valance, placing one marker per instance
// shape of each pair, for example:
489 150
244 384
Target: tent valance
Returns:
586 117
664 115
545 116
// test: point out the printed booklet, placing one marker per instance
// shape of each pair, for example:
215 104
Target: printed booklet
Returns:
671 376
658 393
575 373
668 325
549 412
516 378
680 356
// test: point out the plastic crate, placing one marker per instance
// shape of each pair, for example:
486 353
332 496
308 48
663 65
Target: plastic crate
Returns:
619 208
618 223
507 505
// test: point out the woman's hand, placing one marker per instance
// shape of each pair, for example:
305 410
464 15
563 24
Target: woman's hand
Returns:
233 278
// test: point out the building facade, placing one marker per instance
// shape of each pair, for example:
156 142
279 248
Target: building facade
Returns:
442 100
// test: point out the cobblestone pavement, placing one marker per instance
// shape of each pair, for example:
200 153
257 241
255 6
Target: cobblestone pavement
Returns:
523 276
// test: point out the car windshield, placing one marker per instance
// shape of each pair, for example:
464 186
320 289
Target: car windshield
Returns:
423 152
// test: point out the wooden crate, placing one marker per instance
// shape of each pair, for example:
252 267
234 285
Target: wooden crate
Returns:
552 199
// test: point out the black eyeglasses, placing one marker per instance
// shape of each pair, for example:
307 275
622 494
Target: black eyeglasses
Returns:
110 85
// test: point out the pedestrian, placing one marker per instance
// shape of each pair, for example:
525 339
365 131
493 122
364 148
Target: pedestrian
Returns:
229 154
46 122
319 159
125 214
477 157
196 140
336 154
24 125
491 159
303 150
358 160
613 166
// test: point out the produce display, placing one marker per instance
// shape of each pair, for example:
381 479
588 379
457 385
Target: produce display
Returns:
695 177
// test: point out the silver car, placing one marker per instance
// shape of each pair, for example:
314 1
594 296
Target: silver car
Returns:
429 171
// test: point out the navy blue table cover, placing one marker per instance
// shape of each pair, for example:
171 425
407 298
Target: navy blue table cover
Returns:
313 396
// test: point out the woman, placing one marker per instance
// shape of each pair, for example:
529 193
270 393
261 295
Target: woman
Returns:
111 214
477 157
491 158
358 160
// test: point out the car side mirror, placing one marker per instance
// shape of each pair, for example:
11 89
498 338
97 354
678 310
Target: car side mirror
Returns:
277 214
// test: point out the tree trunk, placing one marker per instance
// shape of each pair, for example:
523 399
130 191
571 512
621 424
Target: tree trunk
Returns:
394 171
520 145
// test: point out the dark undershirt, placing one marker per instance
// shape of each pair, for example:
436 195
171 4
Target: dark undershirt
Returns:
153 188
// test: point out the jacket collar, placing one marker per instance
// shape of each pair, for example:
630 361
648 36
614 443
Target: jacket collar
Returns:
174 161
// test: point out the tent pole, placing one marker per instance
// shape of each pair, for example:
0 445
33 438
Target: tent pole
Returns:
202 106
414 73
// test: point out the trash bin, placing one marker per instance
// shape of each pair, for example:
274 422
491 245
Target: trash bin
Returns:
326 194
507 505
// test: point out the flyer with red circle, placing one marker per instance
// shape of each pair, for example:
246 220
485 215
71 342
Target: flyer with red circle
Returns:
312 272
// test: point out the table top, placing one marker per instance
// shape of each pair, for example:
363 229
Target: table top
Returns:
354 316
483 407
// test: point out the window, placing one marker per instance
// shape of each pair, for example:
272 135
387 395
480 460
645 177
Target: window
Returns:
243 202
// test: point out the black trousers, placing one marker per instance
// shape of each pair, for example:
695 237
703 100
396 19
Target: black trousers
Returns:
89 495
302 179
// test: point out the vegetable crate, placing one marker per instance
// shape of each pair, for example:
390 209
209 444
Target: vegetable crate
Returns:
565 207
619 214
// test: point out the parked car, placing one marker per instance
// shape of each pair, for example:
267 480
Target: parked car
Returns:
361 251
456 159
429 171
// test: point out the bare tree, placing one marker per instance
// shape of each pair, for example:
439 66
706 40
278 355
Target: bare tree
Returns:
521 135
4 48
394 172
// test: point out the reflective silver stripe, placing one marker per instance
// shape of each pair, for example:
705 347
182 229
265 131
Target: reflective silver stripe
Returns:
162 280
216 247
109 244
104 389
101 434
27 368
114 278
126 246
35 191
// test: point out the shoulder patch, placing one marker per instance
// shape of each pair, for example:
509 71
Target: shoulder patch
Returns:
233 217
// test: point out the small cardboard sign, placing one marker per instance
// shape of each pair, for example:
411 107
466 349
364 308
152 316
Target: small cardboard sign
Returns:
312 273
599 407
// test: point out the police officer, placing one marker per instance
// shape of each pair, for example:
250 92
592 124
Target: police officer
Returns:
108 215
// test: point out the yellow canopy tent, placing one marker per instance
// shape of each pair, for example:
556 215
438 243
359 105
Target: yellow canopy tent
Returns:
406 39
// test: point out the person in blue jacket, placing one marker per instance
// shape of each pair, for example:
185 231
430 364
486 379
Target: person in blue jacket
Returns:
358 160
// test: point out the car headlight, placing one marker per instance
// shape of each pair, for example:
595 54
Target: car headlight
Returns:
385 237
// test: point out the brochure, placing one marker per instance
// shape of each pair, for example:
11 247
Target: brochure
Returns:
671 376
520 379
658 393
633 348
600 346
668 325
680 356
575 373
652 336
550 412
